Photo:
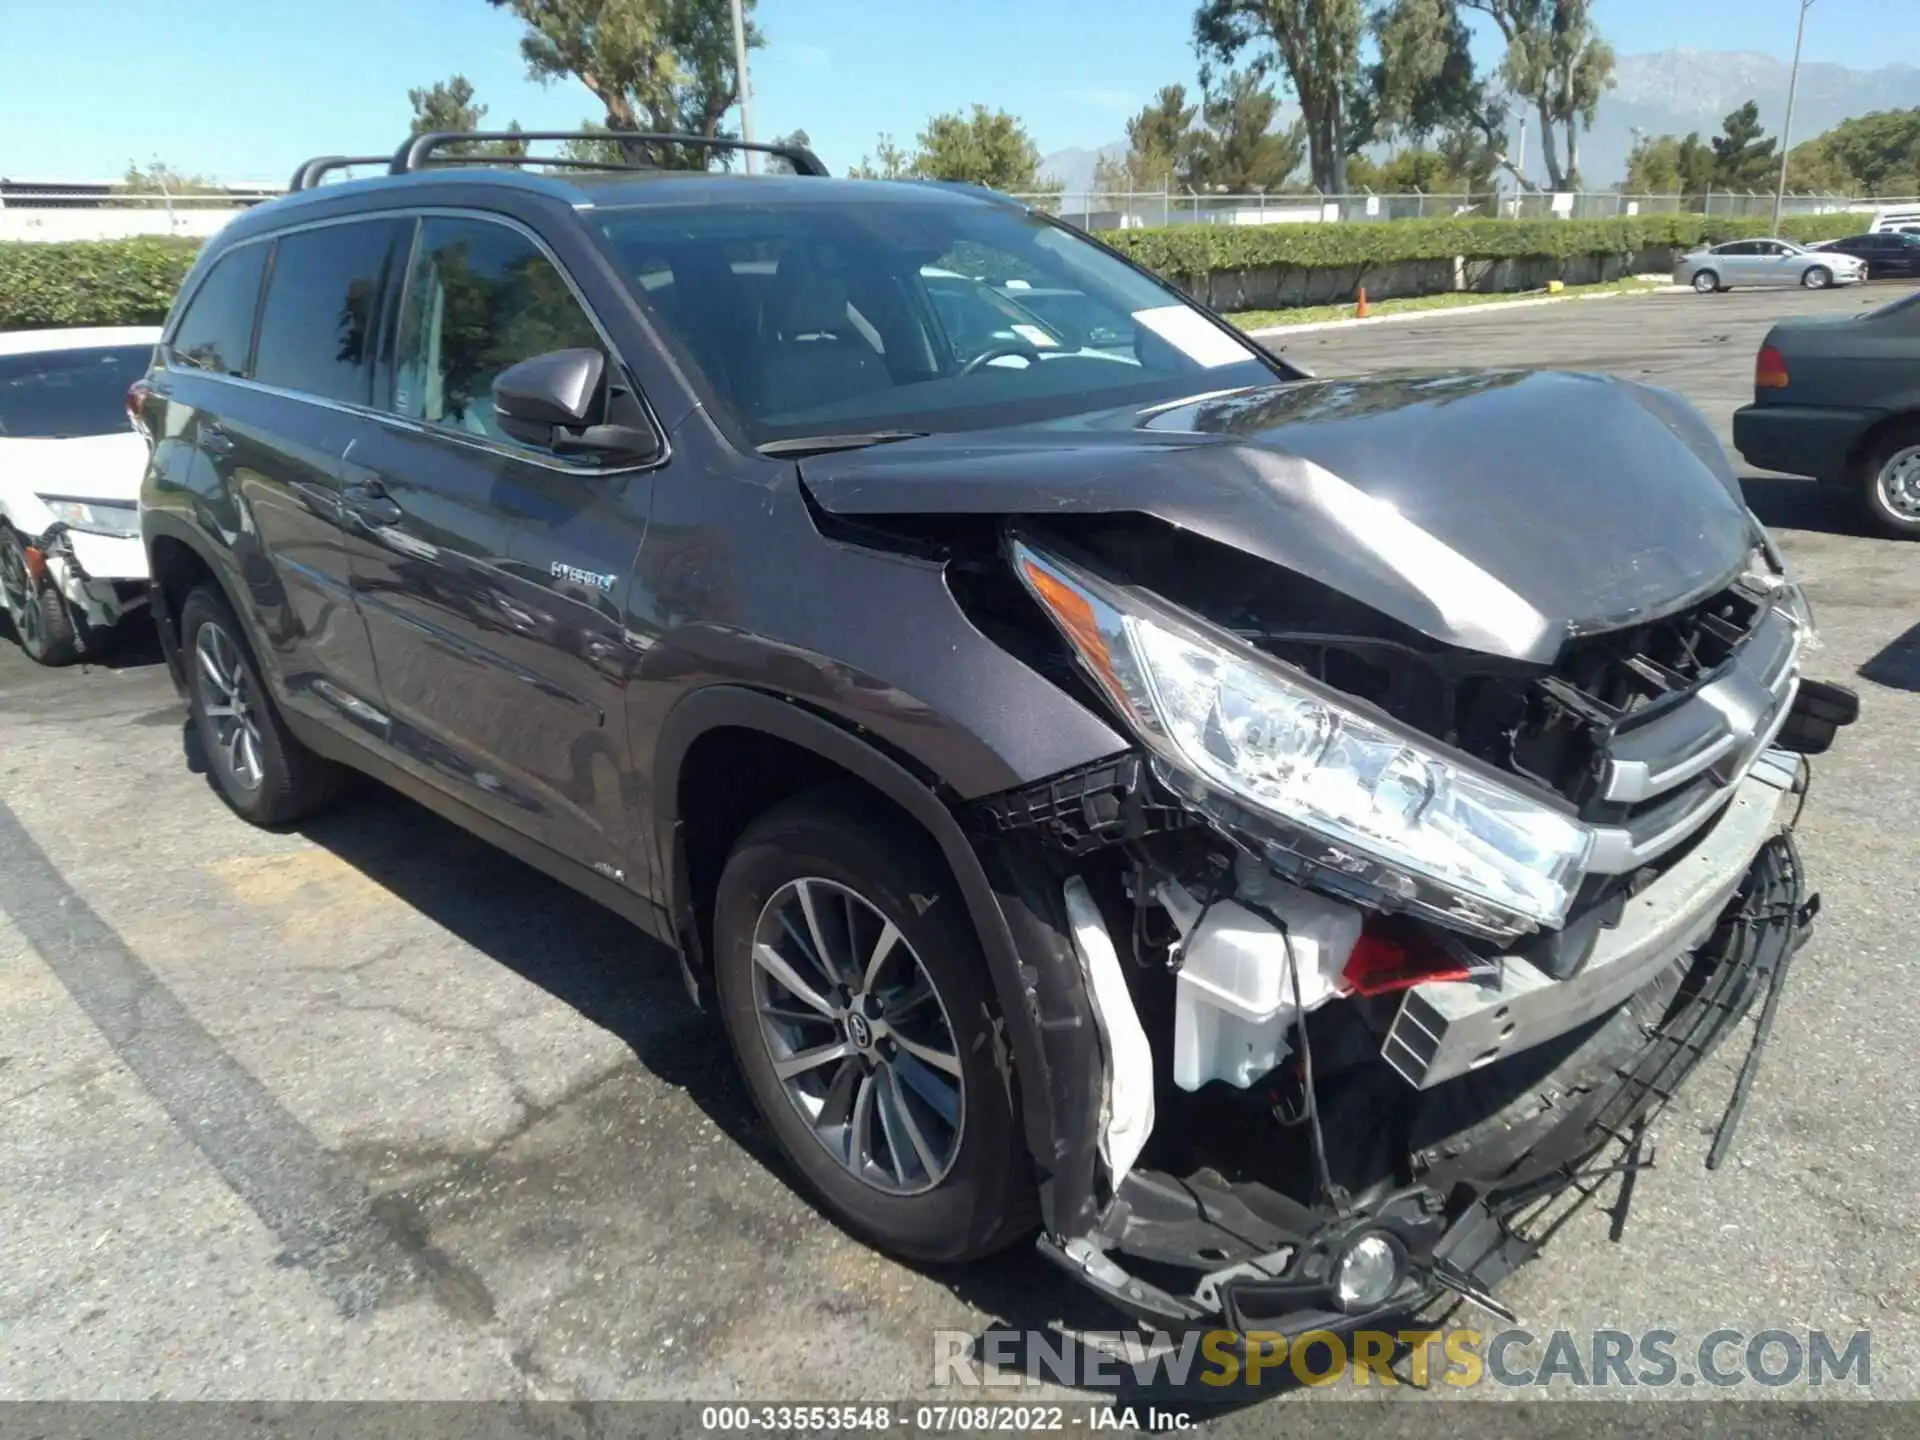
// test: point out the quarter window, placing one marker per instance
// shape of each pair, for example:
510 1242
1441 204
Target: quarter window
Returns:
319 326
481 297
216 330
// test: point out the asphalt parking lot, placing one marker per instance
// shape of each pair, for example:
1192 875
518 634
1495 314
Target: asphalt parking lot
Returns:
369 1110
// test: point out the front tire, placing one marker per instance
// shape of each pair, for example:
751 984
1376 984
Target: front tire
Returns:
854 992
1705 282
45 625
1817 277
1889 480
265 775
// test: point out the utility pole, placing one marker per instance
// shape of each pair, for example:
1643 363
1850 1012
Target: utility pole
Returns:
1520 167
746 88
1786 131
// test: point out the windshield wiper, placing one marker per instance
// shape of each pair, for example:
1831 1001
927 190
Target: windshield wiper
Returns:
826 444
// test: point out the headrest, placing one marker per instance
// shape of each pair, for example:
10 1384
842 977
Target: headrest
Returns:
812 303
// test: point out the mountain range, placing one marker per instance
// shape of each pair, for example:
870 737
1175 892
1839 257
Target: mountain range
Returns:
1665 92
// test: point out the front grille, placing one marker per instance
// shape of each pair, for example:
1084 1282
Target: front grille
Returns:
1669 716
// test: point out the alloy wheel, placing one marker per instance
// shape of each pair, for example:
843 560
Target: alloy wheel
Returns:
23 601
1899 484
228 702
859 1038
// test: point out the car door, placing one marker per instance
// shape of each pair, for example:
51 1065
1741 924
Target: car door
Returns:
497 573
239 453
323 318
1774 264
1894 256
1737 262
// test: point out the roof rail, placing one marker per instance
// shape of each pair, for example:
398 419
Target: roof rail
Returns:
985 192
419 150
308 175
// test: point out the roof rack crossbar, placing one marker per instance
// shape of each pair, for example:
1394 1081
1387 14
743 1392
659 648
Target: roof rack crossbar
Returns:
440 162
419 149
309 174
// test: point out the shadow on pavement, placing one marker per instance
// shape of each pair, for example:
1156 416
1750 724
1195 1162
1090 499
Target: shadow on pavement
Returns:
628 984
1784 503
580 953
1896 664
130 645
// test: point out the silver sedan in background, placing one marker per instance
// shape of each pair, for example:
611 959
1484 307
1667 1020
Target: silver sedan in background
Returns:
1766 262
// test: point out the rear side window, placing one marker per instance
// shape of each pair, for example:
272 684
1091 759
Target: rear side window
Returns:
481 297
319 324
59 394
216 331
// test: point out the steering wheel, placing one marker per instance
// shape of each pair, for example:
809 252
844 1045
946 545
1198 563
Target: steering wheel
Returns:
1000 351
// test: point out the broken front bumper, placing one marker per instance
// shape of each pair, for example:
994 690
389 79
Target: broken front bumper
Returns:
1197 1251
1446 1029
100 576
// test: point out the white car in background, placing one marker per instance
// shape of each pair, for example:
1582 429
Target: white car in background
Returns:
1766 262
71 562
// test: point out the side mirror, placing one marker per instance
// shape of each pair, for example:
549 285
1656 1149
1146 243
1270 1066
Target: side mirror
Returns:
557 401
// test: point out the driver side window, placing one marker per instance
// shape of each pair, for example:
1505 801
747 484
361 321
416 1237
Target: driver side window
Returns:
480 297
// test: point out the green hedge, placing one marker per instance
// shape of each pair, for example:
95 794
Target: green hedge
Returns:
131 282
1188 252
91 282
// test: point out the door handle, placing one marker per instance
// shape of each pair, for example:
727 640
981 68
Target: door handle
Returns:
215 441
370 501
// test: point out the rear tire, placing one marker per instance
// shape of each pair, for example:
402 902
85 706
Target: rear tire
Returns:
44 623
265 775
1706 282
1817 277
978 1195
1888 478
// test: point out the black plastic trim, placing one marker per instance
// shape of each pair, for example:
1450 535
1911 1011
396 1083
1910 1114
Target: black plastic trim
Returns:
1048 1017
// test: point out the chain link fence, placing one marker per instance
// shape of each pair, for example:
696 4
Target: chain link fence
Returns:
1127 211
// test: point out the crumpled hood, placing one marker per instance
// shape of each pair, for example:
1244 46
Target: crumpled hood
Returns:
1503 511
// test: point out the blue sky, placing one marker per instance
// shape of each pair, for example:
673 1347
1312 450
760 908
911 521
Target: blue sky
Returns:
245 89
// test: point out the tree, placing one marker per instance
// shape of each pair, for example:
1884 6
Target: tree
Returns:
449 105
1422 84
987 147
1558 63
1159 147
1670 165
600 152
1813 165
1316 43
654 65
159 178
1436 172
1236 147
888 162
775 165
1879 152
1741 159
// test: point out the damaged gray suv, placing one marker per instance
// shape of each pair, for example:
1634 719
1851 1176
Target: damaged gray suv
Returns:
1275 840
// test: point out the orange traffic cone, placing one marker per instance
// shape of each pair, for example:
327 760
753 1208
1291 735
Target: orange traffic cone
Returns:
1360 308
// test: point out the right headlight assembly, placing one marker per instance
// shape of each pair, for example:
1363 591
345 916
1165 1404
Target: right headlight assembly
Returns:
1357 796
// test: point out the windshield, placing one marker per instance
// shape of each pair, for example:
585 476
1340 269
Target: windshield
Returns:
832 317
62 394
